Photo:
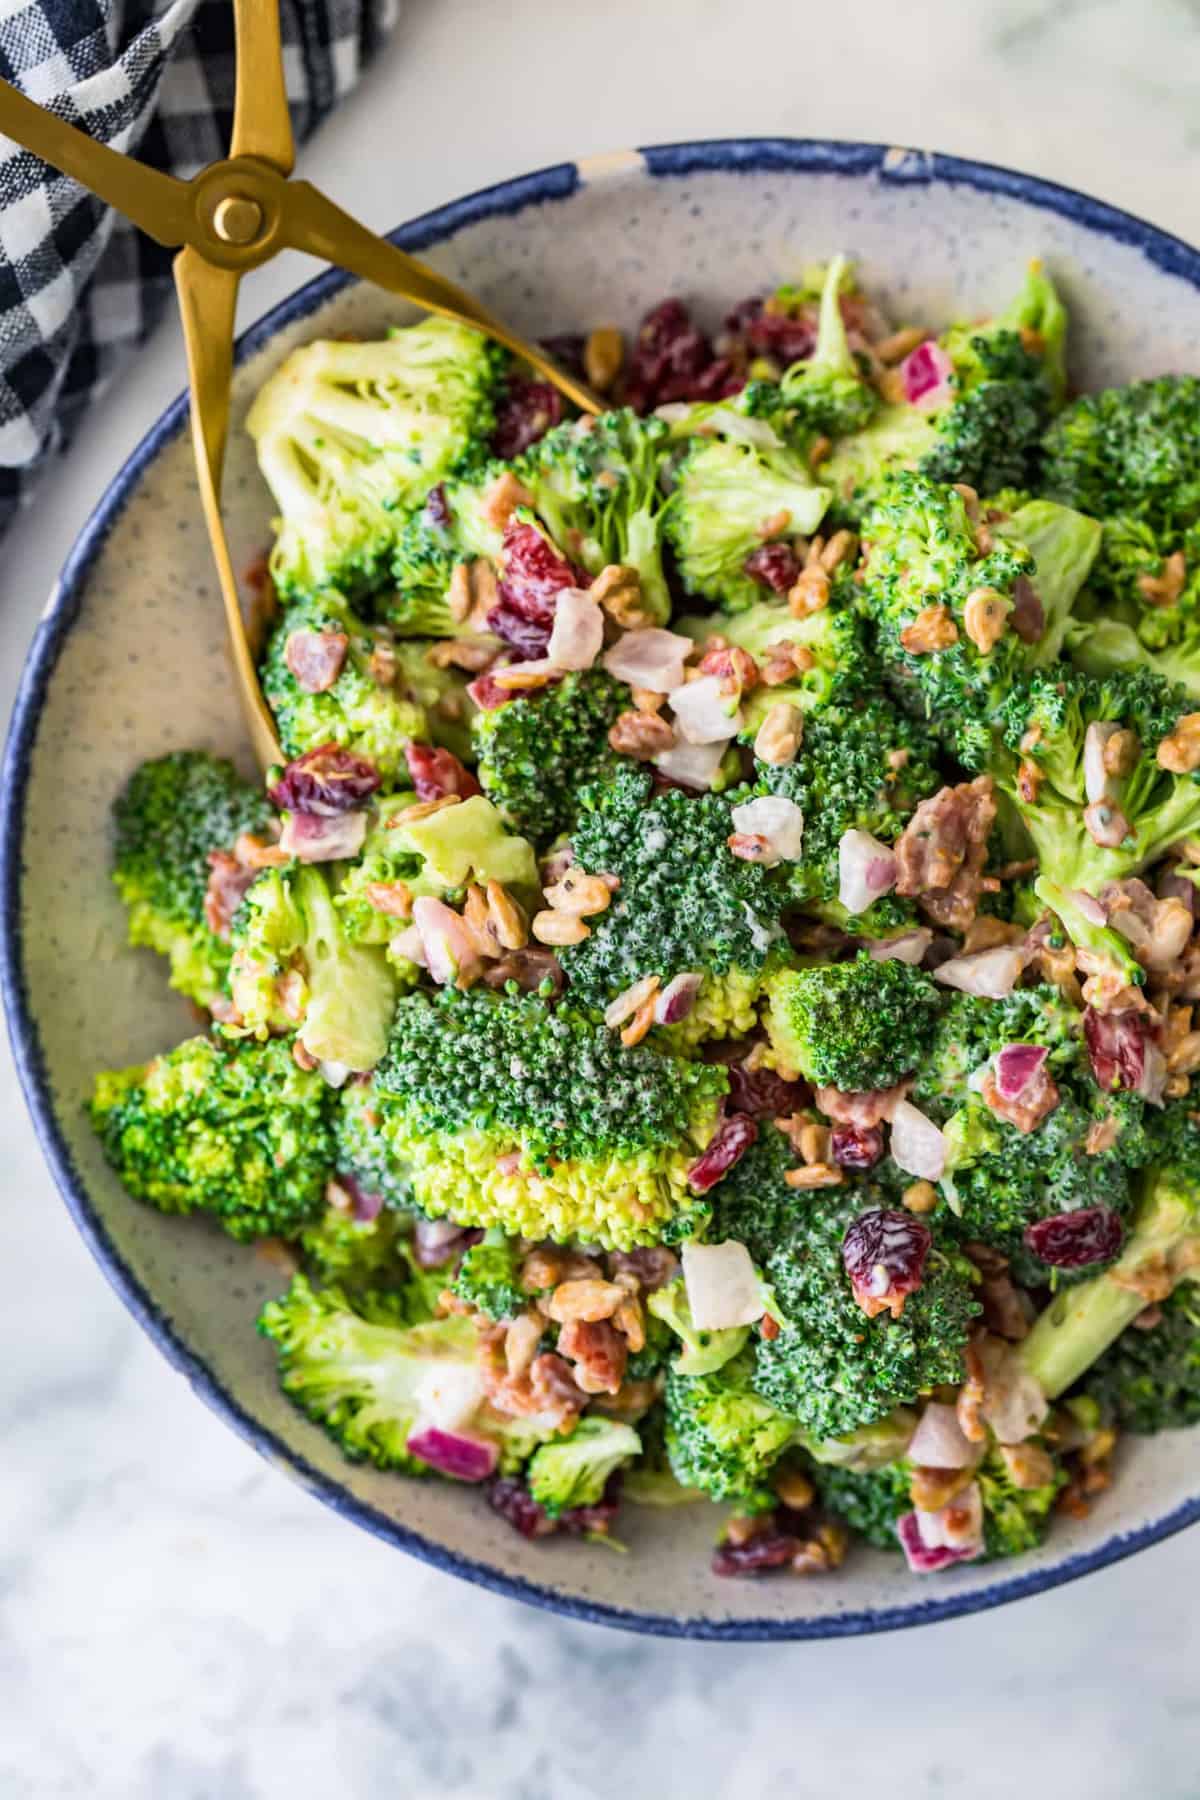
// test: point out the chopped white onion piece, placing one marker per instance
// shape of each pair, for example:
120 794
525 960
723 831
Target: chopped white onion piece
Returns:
909 947
723 1288
577 636
866 870
335 1073
314 838
938 1441
1089 906
917 1145
721 419
649 658
989 974
448 1394
1013 1404
958 1526
704 712
408 944
779 821
695 765
1098 784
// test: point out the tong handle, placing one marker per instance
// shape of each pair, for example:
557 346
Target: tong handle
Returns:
262 124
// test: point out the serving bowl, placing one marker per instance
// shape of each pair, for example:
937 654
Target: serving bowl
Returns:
129 661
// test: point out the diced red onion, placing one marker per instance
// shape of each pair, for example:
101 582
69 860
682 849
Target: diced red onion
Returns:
315 658
1089 906
433 1238
577 635
448 945
723 1288
938 1441
779 821
920 1560
989 974
1016 1066
649 658
692 765
1098 784
409 944
677 998
449 1394
315 838
460 1454
704 712
957 1526
917 1145
926 373
866 869
910 947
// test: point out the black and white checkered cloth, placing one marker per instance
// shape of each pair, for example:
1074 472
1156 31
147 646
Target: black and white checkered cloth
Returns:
79 286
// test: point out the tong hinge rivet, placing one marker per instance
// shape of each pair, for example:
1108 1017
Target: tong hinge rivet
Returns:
237 219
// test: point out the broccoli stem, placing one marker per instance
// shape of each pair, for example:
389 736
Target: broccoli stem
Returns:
1086 935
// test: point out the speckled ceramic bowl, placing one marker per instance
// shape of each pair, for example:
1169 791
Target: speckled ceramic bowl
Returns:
129 661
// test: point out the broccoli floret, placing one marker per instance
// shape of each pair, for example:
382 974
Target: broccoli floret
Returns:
489 1278
724 1438
970 1030
437 855
1081 1322
685 903
827 393
352 435
359 1369
237 1131
1150 1380
726 496
858 768
833 1369
294 968
851 1025
1015 1519
870 1501
703 1352
842 670
536 753
1007 379
595 483
456 525
361 710
173 814
505 1112
359 1255
754 1203
1038 761
650 1480
925 564
361 1151
576 1470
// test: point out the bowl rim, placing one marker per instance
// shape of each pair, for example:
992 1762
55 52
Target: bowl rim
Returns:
809 156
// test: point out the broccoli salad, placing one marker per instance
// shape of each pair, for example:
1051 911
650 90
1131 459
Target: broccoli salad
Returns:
704 1010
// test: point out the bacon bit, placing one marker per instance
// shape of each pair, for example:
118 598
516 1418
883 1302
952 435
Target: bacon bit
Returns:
1036 1101
599 1353
1165 589
872 1107
1179 752
641 735
768 1328
941 852
785 660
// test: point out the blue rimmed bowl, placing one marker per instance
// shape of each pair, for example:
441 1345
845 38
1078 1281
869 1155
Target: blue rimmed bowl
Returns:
129 661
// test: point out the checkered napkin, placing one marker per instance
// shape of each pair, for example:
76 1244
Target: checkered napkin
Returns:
79 286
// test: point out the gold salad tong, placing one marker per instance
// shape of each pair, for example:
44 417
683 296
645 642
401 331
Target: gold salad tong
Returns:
231 217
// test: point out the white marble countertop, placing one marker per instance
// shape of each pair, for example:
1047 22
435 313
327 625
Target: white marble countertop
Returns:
177 1621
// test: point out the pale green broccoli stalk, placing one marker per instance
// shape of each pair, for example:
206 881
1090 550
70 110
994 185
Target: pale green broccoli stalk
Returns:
350 436
596 486
237 1131
724 1438
728 499
703 1352
294 969
827 393
437 855
174 815
1064 545
440 691
575 1471
365 708
502 1111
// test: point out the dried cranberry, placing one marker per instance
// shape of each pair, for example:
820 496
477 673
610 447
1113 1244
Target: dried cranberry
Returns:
1072 1240
325 781
1117 1044
774 566
733 1139
436 773
766 1550
534 572
884 1252
437 507
366 1205
651 1267
1028 616
578 1521
668 356
716 381
487 693
513 1501
764 1094
527 637
527 412
785 339
738 320
856 1146
567 349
